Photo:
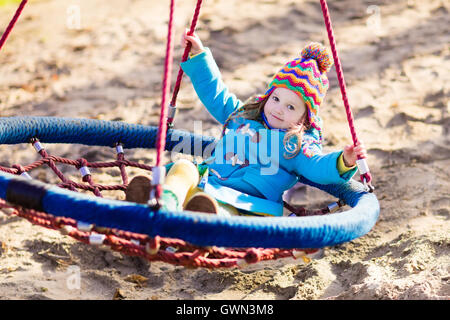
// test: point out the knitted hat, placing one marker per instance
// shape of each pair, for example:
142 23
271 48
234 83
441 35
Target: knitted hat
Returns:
306 76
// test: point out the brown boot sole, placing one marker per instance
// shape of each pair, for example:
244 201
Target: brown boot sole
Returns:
202 202
138 190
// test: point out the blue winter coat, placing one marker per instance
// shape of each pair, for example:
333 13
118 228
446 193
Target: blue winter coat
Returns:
248 168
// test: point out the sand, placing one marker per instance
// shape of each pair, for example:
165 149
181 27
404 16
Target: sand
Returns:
106 63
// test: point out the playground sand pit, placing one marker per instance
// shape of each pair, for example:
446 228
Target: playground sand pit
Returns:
103 59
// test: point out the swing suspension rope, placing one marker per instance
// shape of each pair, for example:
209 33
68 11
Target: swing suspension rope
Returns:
159 170
12 23
363 168
168 110
156 248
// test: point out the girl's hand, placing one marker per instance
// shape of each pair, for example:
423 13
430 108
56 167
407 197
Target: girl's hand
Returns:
196 43
351 154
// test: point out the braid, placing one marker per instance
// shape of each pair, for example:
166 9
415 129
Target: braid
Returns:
232 115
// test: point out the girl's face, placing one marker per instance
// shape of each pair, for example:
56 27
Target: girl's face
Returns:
284 109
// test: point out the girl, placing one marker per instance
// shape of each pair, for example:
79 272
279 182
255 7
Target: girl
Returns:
266 143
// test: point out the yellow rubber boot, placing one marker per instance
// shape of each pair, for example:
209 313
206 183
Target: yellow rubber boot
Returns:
182 177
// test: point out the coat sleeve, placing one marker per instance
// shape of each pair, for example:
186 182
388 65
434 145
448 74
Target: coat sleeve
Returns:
211 90
321 169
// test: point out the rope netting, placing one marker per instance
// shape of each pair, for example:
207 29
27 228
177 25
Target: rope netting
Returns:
173 251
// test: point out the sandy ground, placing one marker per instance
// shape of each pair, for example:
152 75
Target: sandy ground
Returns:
108 65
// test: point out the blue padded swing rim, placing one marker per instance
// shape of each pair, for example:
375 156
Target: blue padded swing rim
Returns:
197 228
15 130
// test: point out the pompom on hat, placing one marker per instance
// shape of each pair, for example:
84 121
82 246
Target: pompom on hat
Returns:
307 77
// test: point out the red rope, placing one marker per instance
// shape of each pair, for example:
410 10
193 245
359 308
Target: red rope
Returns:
12 23
157 248
52 162
340 76
184 57
162 131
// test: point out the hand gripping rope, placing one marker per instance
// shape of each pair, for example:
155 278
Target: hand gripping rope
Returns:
173 102
363 167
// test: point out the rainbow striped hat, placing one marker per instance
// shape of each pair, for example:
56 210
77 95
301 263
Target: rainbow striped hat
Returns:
306 76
